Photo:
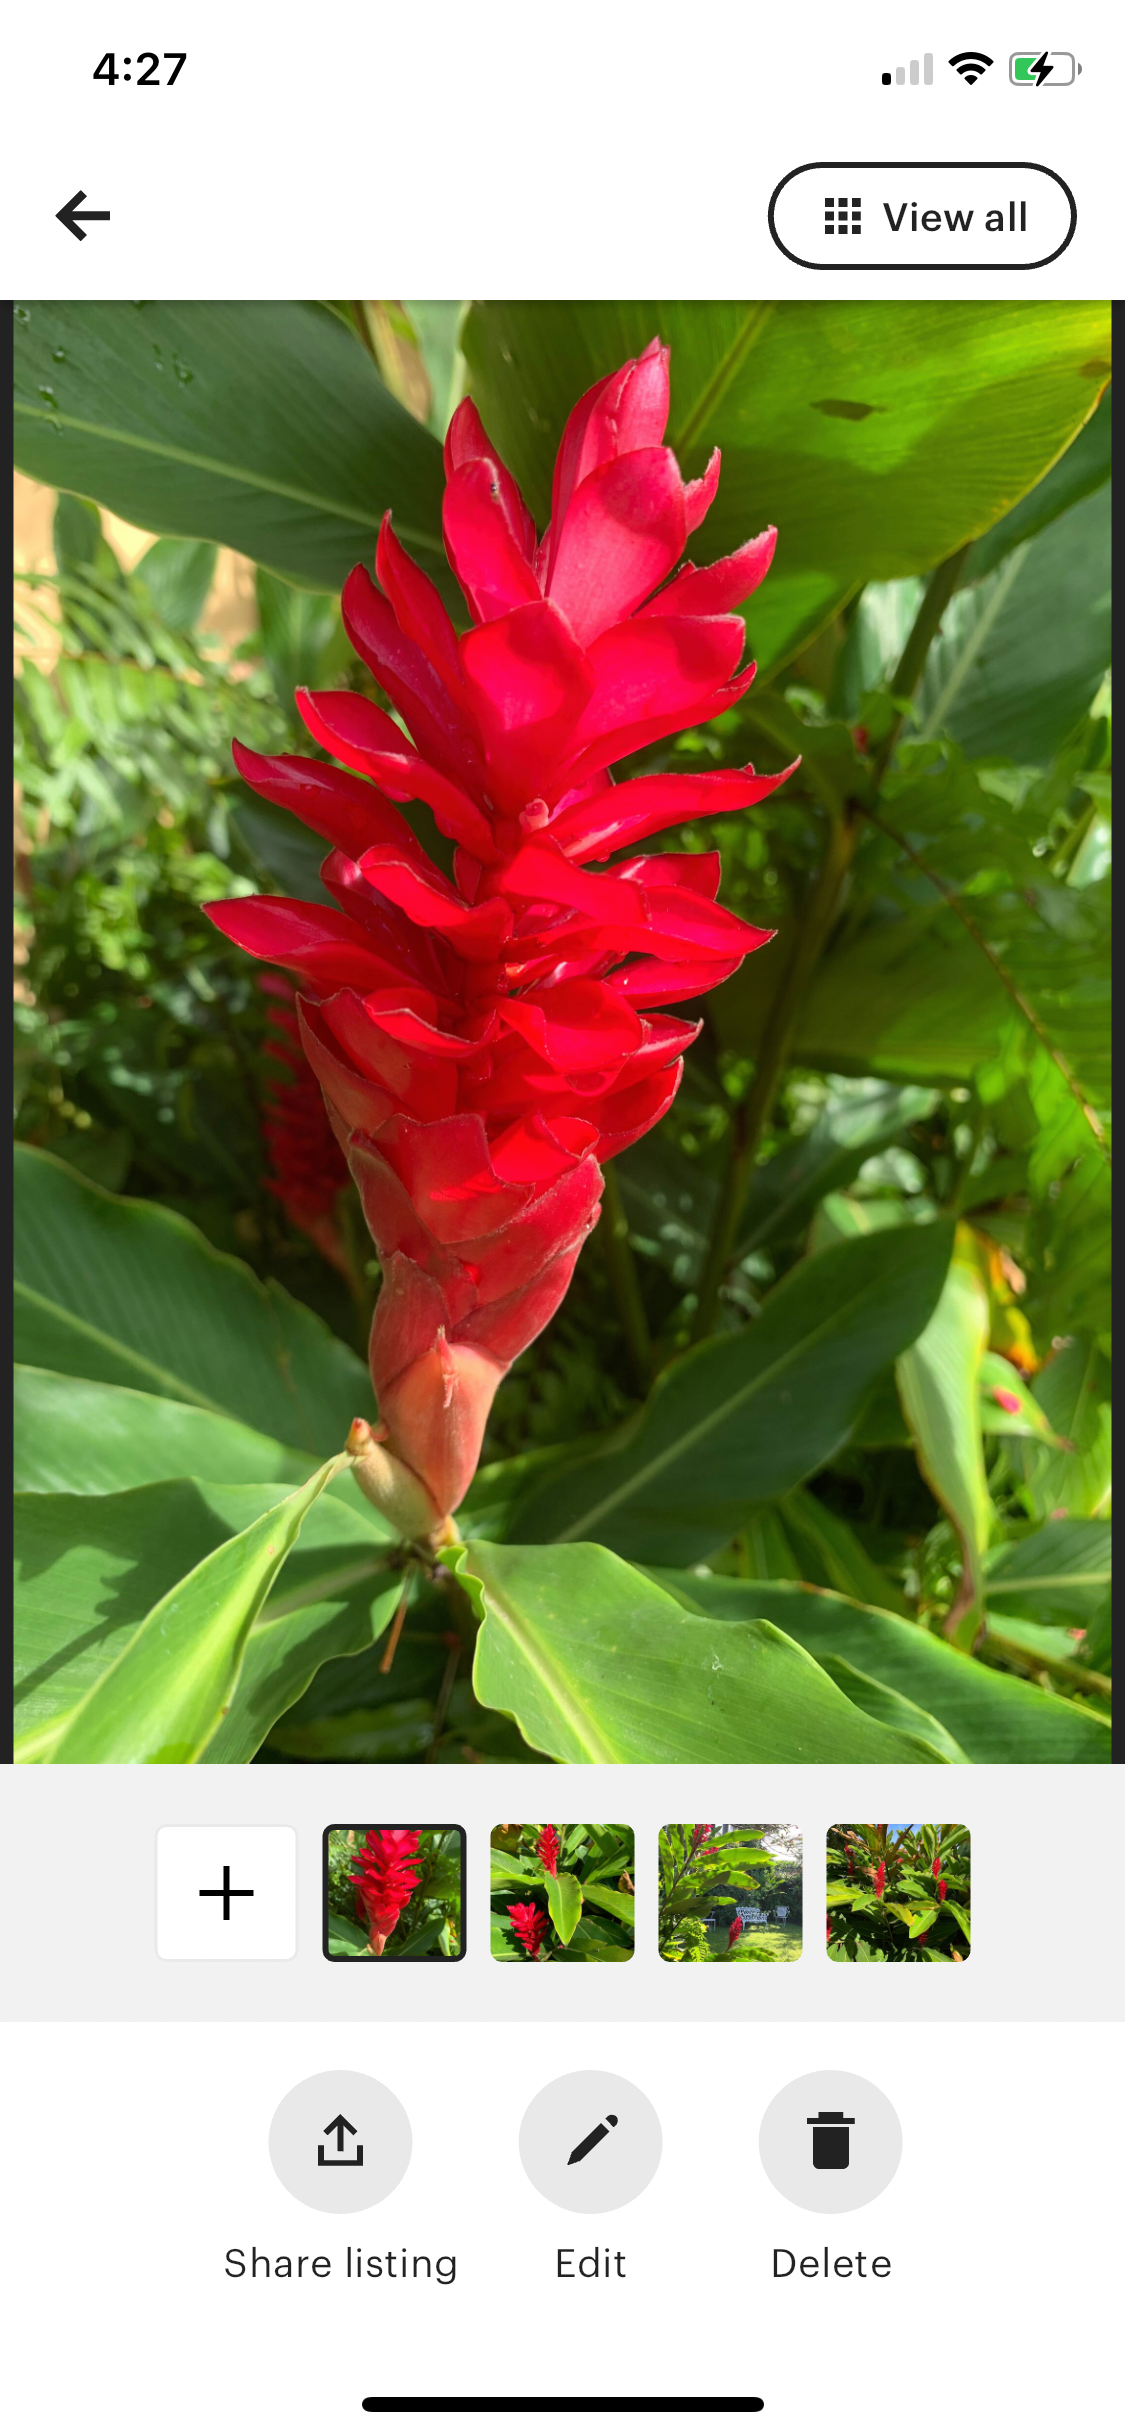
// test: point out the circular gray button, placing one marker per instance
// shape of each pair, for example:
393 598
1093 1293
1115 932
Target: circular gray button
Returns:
830 2142
340 2142
590 2142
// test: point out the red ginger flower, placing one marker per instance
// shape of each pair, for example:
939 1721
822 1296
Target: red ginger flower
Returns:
308 1166
530 1926
941 1887
734 1933
880 1877
385 1880
482 1044
547 1851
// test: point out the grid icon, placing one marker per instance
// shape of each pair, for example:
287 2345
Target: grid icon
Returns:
841 218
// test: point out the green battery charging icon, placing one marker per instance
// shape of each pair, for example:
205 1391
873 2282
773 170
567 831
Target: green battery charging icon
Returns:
1039 68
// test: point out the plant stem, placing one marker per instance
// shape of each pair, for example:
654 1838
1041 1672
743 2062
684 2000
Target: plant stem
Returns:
753 1113
622 1268
931 610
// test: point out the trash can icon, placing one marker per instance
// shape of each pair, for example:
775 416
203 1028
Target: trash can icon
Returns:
831 2141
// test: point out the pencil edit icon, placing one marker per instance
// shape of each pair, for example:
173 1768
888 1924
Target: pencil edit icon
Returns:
601 2131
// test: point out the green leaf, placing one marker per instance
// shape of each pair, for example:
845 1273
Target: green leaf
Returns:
564 1902
745 1417
878 437
129 1293
1073 1392
346 1937
961 1917
302 637
333 1600
1001 1389
1082 468
91 1568
993 1717
939 1383
1021 655
1059 1575
595 1661
179 576
82 1436
265 426
611 1899
399 1730
890 1707
163 1696
922 1921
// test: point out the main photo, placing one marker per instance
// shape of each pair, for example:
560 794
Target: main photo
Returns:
562 1032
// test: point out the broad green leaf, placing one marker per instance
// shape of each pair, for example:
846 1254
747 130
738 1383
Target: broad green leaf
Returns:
129 1293
907 996
81 1436
332 1601
891 1707
877 436
923 1921
179 576
611 1899
90 1569
564 1902
597 1662
303 639
1081 469
746 1416
961 1917
1007 1407
346 1937
1058 1575
994 1717
163 1696
1073 1391
939 1383
1021 655
262 425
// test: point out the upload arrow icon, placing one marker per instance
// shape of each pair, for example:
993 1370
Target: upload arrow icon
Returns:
340 2125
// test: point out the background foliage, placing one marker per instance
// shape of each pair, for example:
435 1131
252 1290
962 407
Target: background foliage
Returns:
846 1316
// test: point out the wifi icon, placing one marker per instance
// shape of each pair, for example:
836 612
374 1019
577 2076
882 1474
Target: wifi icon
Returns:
971 65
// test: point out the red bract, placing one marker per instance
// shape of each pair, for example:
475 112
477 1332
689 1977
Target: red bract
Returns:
547 1851
734 1933
530 1925
483 1042
308 1167
880 1877
941 1888
386 1878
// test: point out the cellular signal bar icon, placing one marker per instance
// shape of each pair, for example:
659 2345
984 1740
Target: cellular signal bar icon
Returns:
903 76
842 219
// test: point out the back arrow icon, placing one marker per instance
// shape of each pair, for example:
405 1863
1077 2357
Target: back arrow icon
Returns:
70 215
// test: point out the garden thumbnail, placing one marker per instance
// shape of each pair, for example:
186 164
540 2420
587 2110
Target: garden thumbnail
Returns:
730 1894
899 1894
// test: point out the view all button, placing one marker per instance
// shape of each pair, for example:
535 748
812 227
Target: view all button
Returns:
922 215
